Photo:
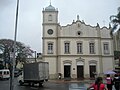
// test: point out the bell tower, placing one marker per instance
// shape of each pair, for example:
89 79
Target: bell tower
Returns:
50 35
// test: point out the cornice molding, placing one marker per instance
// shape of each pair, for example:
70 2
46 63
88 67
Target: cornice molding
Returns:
82 56
50 23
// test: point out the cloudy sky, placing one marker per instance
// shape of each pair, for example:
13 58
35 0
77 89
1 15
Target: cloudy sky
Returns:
29 29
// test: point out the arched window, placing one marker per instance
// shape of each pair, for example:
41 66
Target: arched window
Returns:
92 47
106 47
66 47
50 48
50 17
79 47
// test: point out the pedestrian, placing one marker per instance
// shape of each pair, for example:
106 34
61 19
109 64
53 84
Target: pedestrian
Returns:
95 74
98 85
116 82
109 82
59 75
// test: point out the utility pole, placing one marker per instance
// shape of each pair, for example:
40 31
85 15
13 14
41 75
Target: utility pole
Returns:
35 57
14 49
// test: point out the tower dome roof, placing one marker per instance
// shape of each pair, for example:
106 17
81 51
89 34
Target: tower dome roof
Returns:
50 8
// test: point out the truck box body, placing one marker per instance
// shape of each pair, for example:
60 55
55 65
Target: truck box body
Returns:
46 70
36 71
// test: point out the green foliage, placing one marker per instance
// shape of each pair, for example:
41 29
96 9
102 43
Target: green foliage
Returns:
115 20
22 51
116 55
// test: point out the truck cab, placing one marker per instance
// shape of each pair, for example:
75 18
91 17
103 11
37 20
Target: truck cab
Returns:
20 79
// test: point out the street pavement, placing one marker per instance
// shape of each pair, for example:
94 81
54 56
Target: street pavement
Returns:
50 85
78 84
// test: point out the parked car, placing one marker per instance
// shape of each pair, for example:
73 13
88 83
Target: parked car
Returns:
4 74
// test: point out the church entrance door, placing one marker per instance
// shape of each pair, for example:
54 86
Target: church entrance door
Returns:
80 72
67 69
92 71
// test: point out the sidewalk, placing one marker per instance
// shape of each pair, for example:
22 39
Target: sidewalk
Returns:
72 80
89 81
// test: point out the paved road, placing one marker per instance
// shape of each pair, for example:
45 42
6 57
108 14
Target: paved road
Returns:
50 85
5 85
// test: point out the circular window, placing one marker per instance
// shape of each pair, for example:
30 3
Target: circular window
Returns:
50 31
79 33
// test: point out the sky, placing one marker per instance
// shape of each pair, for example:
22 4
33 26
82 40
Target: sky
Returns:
29 29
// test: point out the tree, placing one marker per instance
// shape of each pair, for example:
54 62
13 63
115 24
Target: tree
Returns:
115 20
22 51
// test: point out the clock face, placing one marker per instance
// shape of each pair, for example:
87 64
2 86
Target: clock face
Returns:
50 31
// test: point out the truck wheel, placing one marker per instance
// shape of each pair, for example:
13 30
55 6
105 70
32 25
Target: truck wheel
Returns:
32 84
20 82
46 80
29 84
7 78
40 84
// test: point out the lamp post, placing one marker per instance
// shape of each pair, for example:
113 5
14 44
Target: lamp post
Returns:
14 49
35 57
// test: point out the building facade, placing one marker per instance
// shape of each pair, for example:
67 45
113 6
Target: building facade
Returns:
116 39
76 50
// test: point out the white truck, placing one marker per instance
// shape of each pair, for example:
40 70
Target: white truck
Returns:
34 73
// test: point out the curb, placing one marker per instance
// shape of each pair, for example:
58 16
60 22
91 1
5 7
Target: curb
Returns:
72 81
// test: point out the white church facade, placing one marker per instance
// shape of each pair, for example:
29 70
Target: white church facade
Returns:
76 50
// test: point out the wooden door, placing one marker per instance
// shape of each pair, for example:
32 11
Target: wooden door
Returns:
67 71
92 71
80 72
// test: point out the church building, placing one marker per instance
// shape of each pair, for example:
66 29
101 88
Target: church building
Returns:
76 50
